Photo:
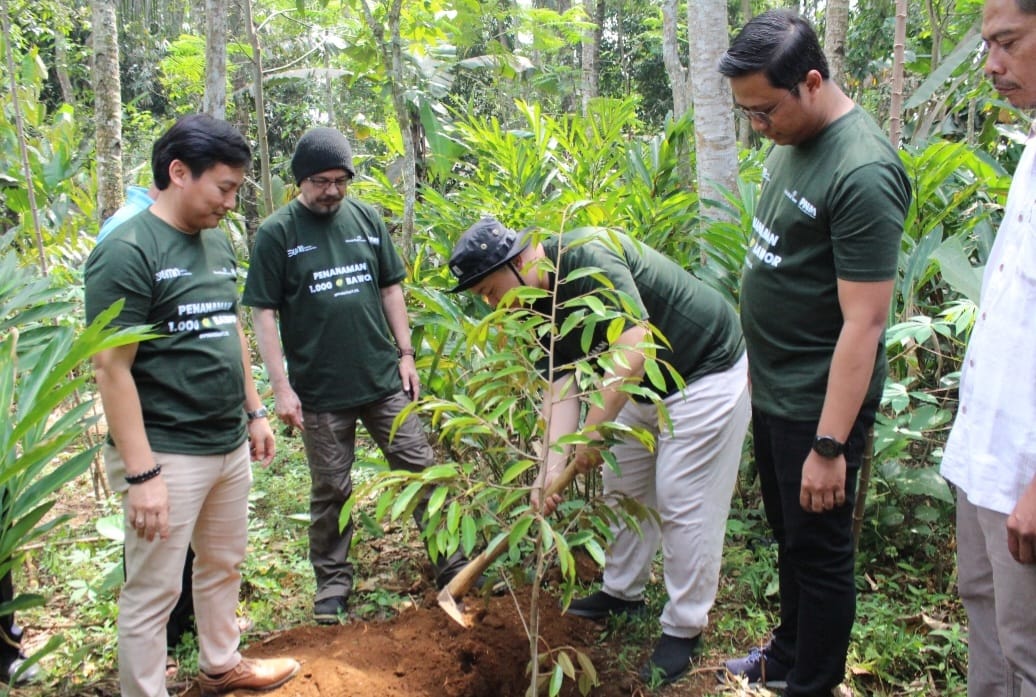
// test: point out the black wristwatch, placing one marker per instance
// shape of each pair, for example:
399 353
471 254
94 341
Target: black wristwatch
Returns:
259 413
828 447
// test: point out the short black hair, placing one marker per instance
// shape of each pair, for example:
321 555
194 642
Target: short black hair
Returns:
780 44
200 142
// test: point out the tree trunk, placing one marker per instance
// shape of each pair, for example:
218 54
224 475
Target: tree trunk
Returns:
935 25
704 89
744 128
392 58
591 52
265 179
679 79
713 107
898 67
837 17
215 101
107 107
61 67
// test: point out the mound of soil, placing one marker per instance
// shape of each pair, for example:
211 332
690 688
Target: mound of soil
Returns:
423 653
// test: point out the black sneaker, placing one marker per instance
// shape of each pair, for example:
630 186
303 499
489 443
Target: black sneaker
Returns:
330 610
670 659
600 606
759 667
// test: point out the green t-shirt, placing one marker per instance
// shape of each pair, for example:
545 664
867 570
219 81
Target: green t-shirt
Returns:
700 326
323 274
191 378
832 208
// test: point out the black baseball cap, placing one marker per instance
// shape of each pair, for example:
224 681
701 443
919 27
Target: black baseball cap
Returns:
482 249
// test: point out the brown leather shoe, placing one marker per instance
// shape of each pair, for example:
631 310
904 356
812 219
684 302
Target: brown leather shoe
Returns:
250 674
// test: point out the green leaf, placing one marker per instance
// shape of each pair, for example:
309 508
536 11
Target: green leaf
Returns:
957 270
654 375
518 531
453 517
566 665
438 472
406 501
595 551
615 329
437 499
595 305
112 527
937 79
370 525
515 470
557 678
468 534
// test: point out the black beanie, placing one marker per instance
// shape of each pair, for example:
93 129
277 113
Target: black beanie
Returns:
319 150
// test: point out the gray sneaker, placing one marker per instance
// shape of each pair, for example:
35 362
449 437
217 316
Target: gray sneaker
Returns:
759 667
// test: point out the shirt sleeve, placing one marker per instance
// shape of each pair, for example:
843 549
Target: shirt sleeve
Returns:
870 206
119 270
264 283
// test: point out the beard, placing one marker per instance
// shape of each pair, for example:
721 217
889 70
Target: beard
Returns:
326 205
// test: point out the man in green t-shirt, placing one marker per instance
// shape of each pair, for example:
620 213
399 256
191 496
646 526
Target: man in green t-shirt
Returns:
819 276
325 266
689 476
183 414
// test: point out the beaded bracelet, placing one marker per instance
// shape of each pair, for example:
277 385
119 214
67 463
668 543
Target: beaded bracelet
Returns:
144 476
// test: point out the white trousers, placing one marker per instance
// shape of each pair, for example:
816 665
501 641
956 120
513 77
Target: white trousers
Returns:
689 480
208 510
1000 597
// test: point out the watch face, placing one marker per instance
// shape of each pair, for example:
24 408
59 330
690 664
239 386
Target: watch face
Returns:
827 446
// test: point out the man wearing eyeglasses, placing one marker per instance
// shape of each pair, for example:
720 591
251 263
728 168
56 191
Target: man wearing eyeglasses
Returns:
819 276
325 266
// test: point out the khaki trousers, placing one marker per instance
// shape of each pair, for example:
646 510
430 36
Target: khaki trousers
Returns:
208 509
689 480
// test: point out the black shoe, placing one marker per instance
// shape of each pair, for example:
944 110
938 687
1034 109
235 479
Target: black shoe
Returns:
670 659
330 610
30 674
600 606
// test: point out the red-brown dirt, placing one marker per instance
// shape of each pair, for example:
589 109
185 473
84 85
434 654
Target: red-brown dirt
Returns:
423 653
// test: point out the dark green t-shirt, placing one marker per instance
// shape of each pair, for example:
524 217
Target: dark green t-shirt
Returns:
191 379
832 208
700 326
323 274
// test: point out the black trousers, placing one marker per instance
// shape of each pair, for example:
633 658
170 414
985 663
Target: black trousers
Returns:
10 633
816 564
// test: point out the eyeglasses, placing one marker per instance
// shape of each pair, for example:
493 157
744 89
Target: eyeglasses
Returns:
324 182
487 289
764 116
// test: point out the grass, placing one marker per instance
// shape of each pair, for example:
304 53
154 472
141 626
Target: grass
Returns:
908 638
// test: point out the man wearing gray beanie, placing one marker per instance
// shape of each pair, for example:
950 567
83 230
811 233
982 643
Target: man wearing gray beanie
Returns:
319 150
325 266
